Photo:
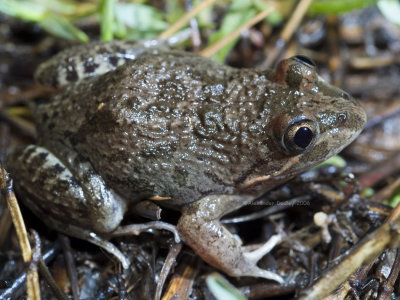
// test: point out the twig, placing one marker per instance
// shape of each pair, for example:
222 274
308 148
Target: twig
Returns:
70 264
24 127
209 51
266 290
380 171
288 30
365 252
181 282
386 112
44 271
32 281
185 19
13 290
388 284
166 269
194 25
386 192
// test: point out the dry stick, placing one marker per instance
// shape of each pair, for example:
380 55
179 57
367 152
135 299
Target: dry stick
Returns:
166 269
32 279
5 219
266 290
37 260
365 252
181 283
26 128
210 50
394 216
20 279
288 30
5 225
70 265
185 19
386 192
194 25
389 284
383 114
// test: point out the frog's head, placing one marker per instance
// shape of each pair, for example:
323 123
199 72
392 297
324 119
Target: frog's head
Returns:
311 121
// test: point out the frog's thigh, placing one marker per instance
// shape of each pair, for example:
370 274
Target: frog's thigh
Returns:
200 228
51 189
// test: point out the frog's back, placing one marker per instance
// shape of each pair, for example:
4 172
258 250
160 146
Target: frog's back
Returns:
165 125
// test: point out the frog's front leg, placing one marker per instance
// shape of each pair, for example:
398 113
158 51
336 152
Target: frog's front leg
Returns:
77 203
200 228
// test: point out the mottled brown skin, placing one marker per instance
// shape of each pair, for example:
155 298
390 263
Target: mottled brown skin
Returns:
173 124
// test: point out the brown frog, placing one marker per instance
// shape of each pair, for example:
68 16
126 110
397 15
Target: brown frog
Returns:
140 122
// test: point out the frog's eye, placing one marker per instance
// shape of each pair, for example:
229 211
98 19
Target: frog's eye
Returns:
304 60
298 135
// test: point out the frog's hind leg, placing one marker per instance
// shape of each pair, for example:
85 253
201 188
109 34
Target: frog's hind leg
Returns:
77 203
200 227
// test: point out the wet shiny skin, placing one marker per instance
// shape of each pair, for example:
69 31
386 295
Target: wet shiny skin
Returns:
172 124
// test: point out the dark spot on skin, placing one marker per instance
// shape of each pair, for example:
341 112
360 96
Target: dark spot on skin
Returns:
58 169
67 133
72 75
73 182
259 117
54 81
315 101
43 156
63 185
73 141
113 60
45 117
29 152
90 67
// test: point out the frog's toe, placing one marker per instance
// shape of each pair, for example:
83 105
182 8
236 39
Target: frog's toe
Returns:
254 256
267 275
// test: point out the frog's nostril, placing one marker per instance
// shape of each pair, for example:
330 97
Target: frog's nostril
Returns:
342 118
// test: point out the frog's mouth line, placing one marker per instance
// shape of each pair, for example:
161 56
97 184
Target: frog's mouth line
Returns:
257 180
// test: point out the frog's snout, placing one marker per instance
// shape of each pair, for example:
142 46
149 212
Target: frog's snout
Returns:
358 117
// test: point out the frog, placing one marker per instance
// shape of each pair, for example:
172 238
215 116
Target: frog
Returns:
136 121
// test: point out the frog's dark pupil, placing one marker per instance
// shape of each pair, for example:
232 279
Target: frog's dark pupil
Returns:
303 137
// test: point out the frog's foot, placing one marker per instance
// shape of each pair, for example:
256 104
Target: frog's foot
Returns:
254 256
138 228
90 237
200 228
